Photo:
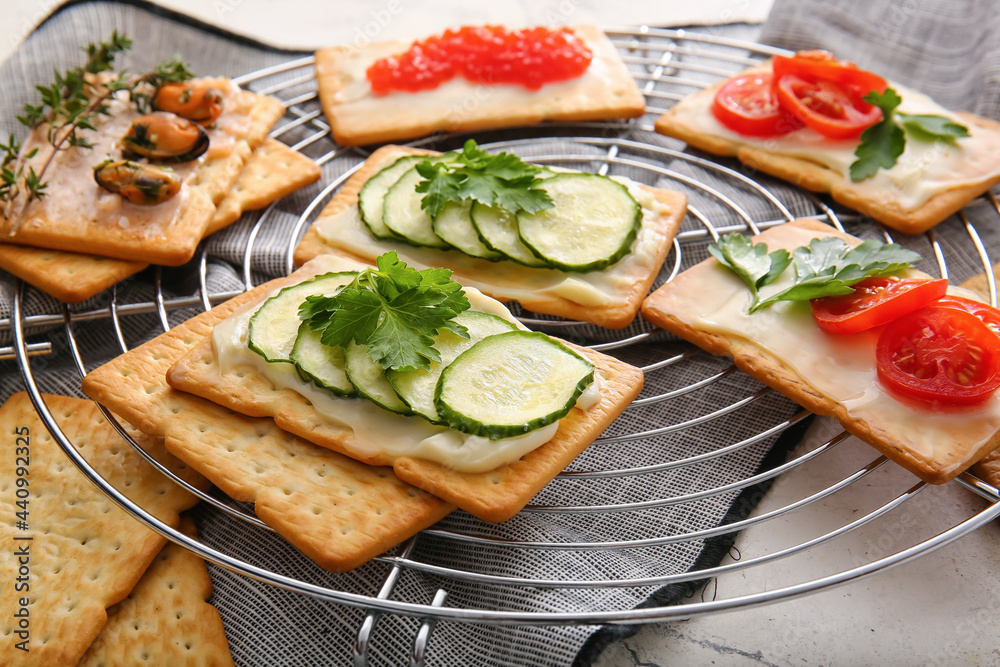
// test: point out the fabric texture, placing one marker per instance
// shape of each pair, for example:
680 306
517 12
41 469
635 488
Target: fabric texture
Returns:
270 626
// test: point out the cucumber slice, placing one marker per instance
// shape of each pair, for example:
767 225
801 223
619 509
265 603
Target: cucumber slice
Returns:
275 326
510 384
404 217
323 365
372 195
497 230
368 378
453 225
592 225
416 387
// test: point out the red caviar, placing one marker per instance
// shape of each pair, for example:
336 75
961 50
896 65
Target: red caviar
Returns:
491 55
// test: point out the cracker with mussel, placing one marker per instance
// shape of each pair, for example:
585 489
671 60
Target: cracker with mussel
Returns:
142 179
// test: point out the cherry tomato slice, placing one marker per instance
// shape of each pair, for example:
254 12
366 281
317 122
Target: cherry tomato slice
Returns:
831 110
875 301
939 355
821 65
746 104
985 312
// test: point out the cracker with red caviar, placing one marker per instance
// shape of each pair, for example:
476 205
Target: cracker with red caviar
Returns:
605 91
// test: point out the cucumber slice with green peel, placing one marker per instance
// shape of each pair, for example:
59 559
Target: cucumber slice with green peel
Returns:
404 217
372 196
453 225
497 229
275 326
592 225
416 387
323 365
368 378
511 384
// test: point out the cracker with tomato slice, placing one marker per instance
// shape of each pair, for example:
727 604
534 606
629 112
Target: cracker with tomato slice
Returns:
608 297
493 495
605 91
77 214
930 182
988 468
783 347
273 171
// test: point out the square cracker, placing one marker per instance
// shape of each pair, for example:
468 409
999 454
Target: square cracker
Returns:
85 553
496 495
988 468
951 442
339 512
604 92
166 618
273 171
174 244
504 280
885 207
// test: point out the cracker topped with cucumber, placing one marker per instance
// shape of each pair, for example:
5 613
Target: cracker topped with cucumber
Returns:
405 368
574 244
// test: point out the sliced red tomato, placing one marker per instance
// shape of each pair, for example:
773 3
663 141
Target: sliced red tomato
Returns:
746 104
821 65
875 301
939 355
832 110
985 312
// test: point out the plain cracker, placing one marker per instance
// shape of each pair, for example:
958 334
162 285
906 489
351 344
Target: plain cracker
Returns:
505 280
175 245
668 308
493 496
85 552
166 618
337 511
818 178
608 93
273 171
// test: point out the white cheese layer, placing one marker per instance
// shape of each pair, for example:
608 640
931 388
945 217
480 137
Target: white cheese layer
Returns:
843 368
509 280
925 169
378 431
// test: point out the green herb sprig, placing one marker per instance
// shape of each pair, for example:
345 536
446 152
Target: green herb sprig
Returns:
826 267
393 309
502 180
73 102
883 143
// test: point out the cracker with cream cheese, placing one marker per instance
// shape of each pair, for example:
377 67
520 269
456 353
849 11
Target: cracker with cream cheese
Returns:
494 495
608 298
81 553
273 171
339 512
76 214
881 197
784 348
604 92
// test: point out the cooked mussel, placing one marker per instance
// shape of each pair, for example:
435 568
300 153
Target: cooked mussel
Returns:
200 103
165 137
143 184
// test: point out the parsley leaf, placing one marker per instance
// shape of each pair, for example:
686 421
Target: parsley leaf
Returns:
502 180
829 267
883 143
392 309
750 261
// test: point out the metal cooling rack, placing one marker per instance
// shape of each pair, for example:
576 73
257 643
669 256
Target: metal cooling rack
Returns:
667 64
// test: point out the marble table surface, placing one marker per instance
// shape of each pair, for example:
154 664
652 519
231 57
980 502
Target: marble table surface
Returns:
941 609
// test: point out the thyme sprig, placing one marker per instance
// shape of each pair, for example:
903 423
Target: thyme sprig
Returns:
73 102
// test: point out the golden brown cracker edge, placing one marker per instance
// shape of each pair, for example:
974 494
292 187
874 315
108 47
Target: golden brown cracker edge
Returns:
73 552
373 120
483 274
987 468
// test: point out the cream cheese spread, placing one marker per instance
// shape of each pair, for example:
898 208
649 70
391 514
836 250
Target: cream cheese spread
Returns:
925 169
378 431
